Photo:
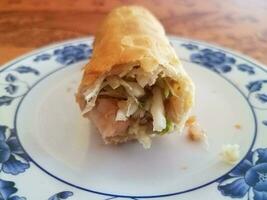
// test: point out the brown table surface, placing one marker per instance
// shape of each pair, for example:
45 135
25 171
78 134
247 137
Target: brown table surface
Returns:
237 24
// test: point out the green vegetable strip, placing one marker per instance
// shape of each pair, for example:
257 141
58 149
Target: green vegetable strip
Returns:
169 127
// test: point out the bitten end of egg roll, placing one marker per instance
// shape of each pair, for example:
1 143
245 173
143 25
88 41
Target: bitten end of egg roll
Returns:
134 86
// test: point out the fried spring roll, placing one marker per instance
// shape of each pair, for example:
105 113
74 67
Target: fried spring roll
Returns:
134 86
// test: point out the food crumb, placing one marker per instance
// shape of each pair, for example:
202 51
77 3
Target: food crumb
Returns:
238 126
191 120
195 132
230 153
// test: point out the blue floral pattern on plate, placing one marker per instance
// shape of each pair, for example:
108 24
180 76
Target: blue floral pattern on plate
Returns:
68 54
248 179
61 195
250 176
12 158
255 87
7 191
12 83
216 60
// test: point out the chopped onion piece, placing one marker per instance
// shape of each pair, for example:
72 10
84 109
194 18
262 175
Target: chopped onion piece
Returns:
131 107
120 116
157 110
133 88
137 90
93 91
91 95
126 109
89 105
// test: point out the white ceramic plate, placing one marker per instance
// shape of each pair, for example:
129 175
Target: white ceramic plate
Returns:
48 151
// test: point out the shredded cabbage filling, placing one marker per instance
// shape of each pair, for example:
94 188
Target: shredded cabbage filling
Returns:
148 102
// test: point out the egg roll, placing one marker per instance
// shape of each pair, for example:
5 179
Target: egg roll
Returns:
134 87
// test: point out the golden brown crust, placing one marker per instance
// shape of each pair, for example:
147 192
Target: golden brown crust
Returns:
128 34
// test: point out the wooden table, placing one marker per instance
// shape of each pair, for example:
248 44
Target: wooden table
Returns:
237 24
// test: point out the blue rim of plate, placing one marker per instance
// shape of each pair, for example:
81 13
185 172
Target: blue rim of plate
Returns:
172 38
